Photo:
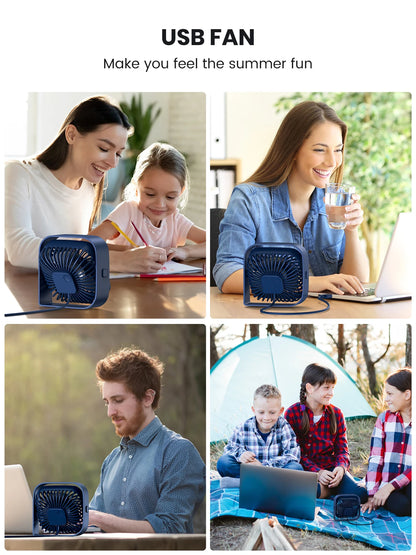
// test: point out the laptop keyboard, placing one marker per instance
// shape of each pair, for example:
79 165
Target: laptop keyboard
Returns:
368 291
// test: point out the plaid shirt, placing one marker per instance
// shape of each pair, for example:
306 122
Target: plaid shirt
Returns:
390 453
279 448
320 449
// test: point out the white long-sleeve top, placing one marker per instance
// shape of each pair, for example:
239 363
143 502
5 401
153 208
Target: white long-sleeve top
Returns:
37 205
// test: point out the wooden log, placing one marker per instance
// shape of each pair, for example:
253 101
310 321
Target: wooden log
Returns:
267 534
254 539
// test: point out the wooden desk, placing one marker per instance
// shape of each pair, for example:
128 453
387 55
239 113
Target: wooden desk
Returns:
128 298
100 541
231 306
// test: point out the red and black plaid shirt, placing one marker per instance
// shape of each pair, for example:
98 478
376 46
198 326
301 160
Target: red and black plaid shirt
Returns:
319 448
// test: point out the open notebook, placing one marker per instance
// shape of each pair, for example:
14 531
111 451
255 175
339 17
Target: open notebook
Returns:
169 268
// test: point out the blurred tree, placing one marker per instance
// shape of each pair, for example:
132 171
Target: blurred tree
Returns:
272 330
304 331
342 345
408 361
213 346
377 157
362 332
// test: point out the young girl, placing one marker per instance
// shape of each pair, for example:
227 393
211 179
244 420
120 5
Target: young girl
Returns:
390 465
321 433
283 201
150 215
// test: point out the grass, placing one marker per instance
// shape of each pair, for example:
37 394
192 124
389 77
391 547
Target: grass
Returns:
230 533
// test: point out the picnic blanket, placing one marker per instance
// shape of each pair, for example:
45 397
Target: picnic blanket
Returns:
382 529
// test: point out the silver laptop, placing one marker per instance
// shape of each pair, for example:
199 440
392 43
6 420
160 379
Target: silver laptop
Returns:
395 281
18 505
278 491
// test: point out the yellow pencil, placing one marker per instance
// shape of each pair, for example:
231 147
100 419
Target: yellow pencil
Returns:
124 235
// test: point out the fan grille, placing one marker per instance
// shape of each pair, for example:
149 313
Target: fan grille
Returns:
59 510
69 273
275 276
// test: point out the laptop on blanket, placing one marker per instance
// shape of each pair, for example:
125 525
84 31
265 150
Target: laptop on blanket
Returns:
395 281
278 491
18 510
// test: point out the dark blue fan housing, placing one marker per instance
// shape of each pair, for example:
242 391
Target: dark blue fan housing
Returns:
60 509
275 274
73 271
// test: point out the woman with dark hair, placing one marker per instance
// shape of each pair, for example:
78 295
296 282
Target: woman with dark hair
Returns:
321 432
60 190
283 201
389 475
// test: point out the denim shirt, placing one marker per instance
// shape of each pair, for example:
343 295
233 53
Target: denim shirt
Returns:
262 214
156 476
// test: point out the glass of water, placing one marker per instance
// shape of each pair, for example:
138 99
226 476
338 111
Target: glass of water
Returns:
337 196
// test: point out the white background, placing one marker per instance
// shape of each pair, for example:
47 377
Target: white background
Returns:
354 45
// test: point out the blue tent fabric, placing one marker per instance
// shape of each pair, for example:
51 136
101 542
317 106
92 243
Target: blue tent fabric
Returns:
383 529
276 360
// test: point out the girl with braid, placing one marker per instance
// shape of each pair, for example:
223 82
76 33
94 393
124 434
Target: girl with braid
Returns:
322 435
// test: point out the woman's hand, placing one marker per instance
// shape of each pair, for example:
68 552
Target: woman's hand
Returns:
338 474
354 214
336 283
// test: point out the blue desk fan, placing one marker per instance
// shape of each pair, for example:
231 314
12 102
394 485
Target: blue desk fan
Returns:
73 271
275 274
60 509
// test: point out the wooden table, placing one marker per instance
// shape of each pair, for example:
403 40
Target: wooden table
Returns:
231 306
99 541
128 298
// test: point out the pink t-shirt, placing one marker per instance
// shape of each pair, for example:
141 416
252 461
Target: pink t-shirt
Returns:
172 232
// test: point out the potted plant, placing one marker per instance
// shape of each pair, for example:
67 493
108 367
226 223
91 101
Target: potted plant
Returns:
142 120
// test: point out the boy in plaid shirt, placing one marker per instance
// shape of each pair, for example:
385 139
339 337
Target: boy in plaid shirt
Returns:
389 472
264 439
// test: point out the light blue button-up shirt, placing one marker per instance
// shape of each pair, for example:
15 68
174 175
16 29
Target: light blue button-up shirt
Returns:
156 476
262 214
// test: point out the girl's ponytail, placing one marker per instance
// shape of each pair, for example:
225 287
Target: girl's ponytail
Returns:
305 416
332 421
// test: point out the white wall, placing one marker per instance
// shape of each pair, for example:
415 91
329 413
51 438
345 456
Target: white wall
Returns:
251 124
47 112
187 112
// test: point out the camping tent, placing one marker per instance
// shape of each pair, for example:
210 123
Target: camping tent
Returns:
277 360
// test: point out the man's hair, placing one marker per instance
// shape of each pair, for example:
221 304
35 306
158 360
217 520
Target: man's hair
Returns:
267 391
135 368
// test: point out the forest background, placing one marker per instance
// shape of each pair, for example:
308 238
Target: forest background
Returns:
367 352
